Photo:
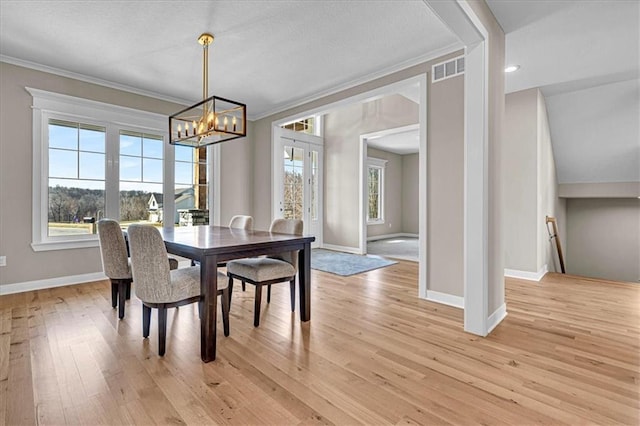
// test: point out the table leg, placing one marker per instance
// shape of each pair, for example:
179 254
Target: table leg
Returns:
209 286
304 282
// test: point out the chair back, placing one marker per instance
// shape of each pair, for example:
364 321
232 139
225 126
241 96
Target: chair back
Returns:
149 263
113 250
241 222
287 226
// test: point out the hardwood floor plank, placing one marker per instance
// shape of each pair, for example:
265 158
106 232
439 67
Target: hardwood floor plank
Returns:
567 353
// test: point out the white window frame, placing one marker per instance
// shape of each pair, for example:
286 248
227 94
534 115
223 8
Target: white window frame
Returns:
48 105
377 163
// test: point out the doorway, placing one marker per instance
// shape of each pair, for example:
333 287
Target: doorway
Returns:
298 180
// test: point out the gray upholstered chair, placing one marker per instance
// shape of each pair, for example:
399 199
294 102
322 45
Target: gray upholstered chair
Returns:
241 222
159 287
268 270
115 262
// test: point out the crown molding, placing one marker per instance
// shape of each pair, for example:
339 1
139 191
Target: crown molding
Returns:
451 48
93 80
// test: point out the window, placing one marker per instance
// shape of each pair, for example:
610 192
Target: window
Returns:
76 180
308 125
93 160
192 186
375 185
141 172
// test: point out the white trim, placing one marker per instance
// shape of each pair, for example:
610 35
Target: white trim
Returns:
454 47
526 275
92 80
345 249
496 317
396 235
66 244
50 283
445 299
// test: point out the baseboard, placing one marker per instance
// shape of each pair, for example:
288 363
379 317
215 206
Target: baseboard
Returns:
398 235
445 299
50 283
345 249
496 317
526 275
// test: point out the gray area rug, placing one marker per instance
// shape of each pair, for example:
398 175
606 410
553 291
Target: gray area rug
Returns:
346 264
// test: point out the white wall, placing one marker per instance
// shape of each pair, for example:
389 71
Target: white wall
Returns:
603 238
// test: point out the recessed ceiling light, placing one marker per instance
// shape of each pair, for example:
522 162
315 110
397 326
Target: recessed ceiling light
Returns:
512 68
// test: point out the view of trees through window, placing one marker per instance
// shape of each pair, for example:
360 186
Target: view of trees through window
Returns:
374 212
293 182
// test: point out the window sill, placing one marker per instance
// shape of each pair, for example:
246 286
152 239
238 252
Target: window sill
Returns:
375 222
65 245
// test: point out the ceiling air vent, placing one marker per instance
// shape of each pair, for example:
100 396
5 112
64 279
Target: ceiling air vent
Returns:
448 69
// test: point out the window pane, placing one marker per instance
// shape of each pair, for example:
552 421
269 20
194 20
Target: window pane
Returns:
63 134
152 170
152 147
130 144
91 166
141 202
63 164
92 139
184 173
185 153
130 168
185 198
74 206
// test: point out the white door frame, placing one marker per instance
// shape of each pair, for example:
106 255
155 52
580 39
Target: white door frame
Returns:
364 188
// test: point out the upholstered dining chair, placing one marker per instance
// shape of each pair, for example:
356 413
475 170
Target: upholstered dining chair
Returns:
240 222
268 270
116 264
159 287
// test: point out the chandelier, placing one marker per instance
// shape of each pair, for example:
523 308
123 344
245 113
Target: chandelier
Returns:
210 121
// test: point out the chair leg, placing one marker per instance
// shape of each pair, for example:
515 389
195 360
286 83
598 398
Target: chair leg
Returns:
292 285
146 320
122 297
269 293
256 309
128 290
244 286
114 294
162 330
230 290
224 298
200 306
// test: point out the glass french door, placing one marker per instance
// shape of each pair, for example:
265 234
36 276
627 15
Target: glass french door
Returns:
298 184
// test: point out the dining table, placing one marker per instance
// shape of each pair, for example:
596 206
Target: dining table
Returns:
210 245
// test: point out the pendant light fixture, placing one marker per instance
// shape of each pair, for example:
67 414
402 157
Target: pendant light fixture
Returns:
211 121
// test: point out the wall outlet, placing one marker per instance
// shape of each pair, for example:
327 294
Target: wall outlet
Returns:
3 260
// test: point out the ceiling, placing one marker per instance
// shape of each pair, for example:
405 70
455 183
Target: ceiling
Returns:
268 54
401 143
584 55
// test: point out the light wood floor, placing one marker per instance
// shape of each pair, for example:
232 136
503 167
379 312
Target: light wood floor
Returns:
567 353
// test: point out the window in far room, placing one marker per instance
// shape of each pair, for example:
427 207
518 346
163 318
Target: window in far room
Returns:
375 184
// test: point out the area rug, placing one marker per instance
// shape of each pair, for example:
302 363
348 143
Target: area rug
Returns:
346 264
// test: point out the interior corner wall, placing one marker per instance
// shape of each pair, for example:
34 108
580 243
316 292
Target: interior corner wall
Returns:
549 203
236 177
603 238
410 194
392 195
520 186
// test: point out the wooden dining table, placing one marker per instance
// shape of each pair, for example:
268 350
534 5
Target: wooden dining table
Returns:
211 245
